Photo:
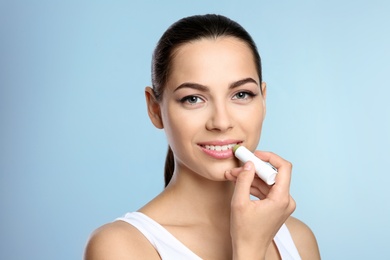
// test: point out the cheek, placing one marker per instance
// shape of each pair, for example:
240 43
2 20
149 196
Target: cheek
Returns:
251 116
251 122
180 126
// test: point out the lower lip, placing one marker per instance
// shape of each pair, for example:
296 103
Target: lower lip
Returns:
218 154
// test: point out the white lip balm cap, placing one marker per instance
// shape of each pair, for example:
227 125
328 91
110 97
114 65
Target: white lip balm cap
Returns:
264 170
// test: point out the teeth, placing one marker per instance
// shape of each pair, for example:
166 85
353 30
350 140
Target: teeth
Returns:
219 147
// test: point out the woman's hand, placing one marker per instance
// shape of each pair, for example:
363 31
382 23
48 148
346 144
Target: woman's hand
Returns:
254 223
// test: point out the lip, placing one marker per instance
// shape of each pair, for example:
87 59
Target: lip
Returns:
223 154
220 142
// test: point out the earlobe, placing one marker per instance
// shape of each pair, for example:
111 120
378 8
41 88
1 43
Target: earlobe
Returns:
153 106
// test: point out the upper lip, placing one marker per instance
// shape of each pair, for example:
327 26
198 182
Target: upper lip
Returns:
220 142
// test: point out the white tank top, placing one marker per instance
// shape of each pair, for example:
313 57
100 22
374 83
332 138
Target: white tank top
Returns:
170 247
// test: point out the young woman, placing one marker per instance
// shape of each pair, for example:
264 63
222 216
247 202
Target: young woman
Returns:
208 95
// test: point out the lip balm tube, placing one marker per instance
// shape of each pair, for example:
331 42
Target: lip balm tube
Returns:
264 170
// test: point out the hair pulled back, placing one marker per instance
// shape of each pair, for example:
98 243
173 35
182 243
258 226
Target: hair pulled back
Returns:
187 30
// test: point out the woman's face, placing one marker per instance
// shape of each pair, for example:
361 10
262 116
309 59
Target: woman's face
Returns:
212 101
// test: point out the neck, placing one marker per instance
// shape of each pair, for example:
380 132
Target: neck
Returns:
194 199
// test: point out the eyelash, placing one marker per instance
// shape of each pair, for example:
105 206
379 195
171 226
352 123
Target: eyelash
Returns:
248 94
186 99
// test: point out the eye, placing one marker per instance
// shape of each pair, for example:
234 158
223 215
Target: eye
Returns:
192 100
243 95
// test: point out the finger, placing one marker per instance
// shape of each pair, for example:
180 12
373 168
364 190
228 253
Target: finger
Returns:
236 171
272 158
229 176
243 183
260 185
233 173
257 193
257 182
283 178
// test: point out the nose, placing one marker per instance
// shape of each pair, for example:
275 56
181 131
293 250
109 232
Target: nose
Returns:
220 119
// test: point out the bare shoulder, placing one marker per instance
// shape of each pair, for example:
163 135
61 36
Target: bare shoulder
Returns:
118 240
304 239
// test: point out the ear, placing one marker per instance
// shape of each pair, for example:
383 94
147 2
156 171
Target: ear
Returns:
153 106
264 91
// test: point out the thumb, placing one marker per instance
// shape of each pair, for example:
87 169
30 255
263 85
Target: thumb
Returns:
244 183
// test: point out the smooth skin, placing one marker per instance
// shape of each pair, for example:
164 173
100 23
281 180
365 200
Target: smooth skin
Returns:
212 97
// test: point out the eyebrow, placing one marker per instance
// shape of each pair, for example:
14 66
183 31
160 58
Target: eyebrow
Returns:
242 82
203 88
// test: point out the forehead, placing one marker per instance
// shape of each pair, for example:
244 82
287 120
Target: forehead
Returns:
212 59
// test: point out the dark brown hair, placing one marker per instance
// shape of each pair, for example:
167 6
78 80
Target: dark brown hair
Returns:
186 30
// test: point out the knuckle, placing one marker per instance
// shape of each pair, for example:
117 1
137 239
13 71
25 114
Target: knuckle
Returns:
292 205
287 204
289 164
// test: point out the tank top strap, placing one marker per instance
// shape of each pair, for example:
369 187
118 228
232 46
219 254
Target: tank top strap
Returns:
285 244
167 246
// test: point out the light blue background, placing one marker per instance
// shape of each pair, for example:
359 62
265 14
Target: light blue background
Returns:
77 149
